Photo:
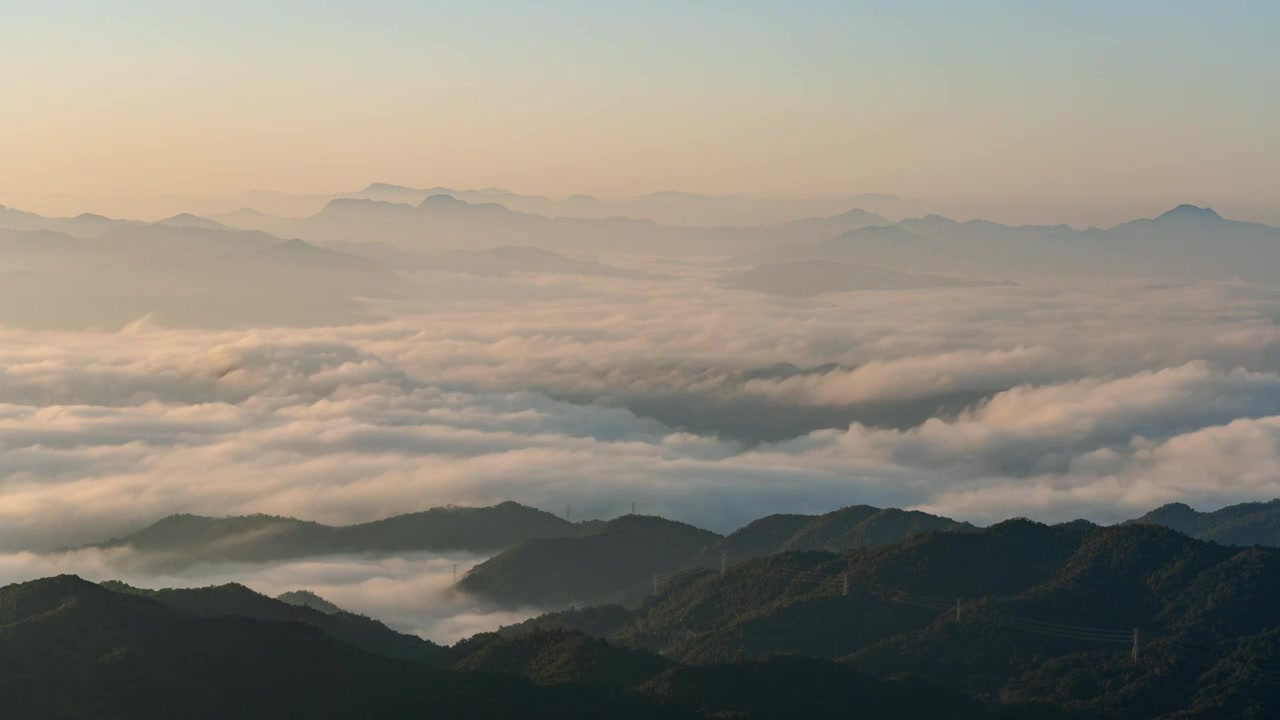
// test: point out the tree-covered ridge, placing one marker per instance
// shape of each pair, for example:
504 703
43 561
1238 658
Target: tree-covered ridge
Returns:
308 599
857 526
622 555
620 560
180 540
73 649
1244 524
234 600
1017 612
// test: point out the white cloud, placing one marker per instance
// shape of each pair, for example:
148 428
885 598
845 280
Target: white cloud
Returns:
413 593
1097 402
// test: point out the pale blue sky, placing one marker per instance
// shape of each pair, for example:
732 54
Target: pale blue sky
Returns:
1038 104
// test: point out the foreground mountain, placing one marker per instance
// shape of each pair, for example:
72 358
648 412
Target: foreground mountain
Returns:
72 649
618 557
181 540
1046 617
1019 620
234 600
1244 524
783 687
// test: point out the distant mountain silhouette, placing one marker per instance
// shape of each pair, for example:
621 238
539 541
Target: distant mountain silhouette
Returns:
511 260
816 277
189 220
84 226
1189 212
1186 243
666 207
457 221
777 688
181 272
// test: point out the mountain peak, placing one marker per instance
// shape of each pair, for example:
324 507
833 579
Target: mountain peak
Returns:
442 199
1187 211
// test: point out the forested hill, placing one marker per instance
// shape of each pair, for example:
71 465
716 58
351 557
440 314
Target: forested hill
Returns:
1019 611
1244 524
233 600
180 540
1019 620
617 561
70 649
621 555
850 528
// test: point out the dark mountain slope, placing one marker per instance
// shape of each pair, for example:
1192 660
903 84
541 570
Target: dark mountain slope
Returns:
863 526
235 600
616 556
308 599
1255 523
758 538
72 649
179 540
557 657
792 687
1017 612
779 688
850 528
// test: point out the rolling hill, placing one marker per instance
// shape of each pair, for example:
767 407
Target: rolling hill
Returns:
1019 612
180 540
618 556
1244 524
73 649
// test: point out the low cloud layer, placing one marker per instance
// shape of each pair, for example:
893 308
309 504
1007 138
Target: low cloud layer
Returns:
1098 402
413 593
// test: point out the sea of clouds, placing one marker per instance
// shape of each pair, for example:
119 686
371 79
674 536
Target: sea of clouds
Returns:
1049 401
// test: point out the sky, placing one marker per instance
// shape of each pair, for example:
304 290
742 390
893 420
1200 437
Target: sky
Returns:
1054 111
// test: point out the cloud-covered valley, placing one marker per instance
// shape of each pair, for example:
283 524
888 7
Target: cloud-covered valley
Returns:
699 403
227 373
1174 395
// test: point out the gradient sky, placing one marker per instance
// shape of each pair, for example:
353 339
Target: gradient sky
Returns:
1056 109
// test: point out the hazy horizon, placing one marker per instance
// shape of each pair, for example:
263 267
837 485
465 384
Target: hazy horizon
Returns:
1083 113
